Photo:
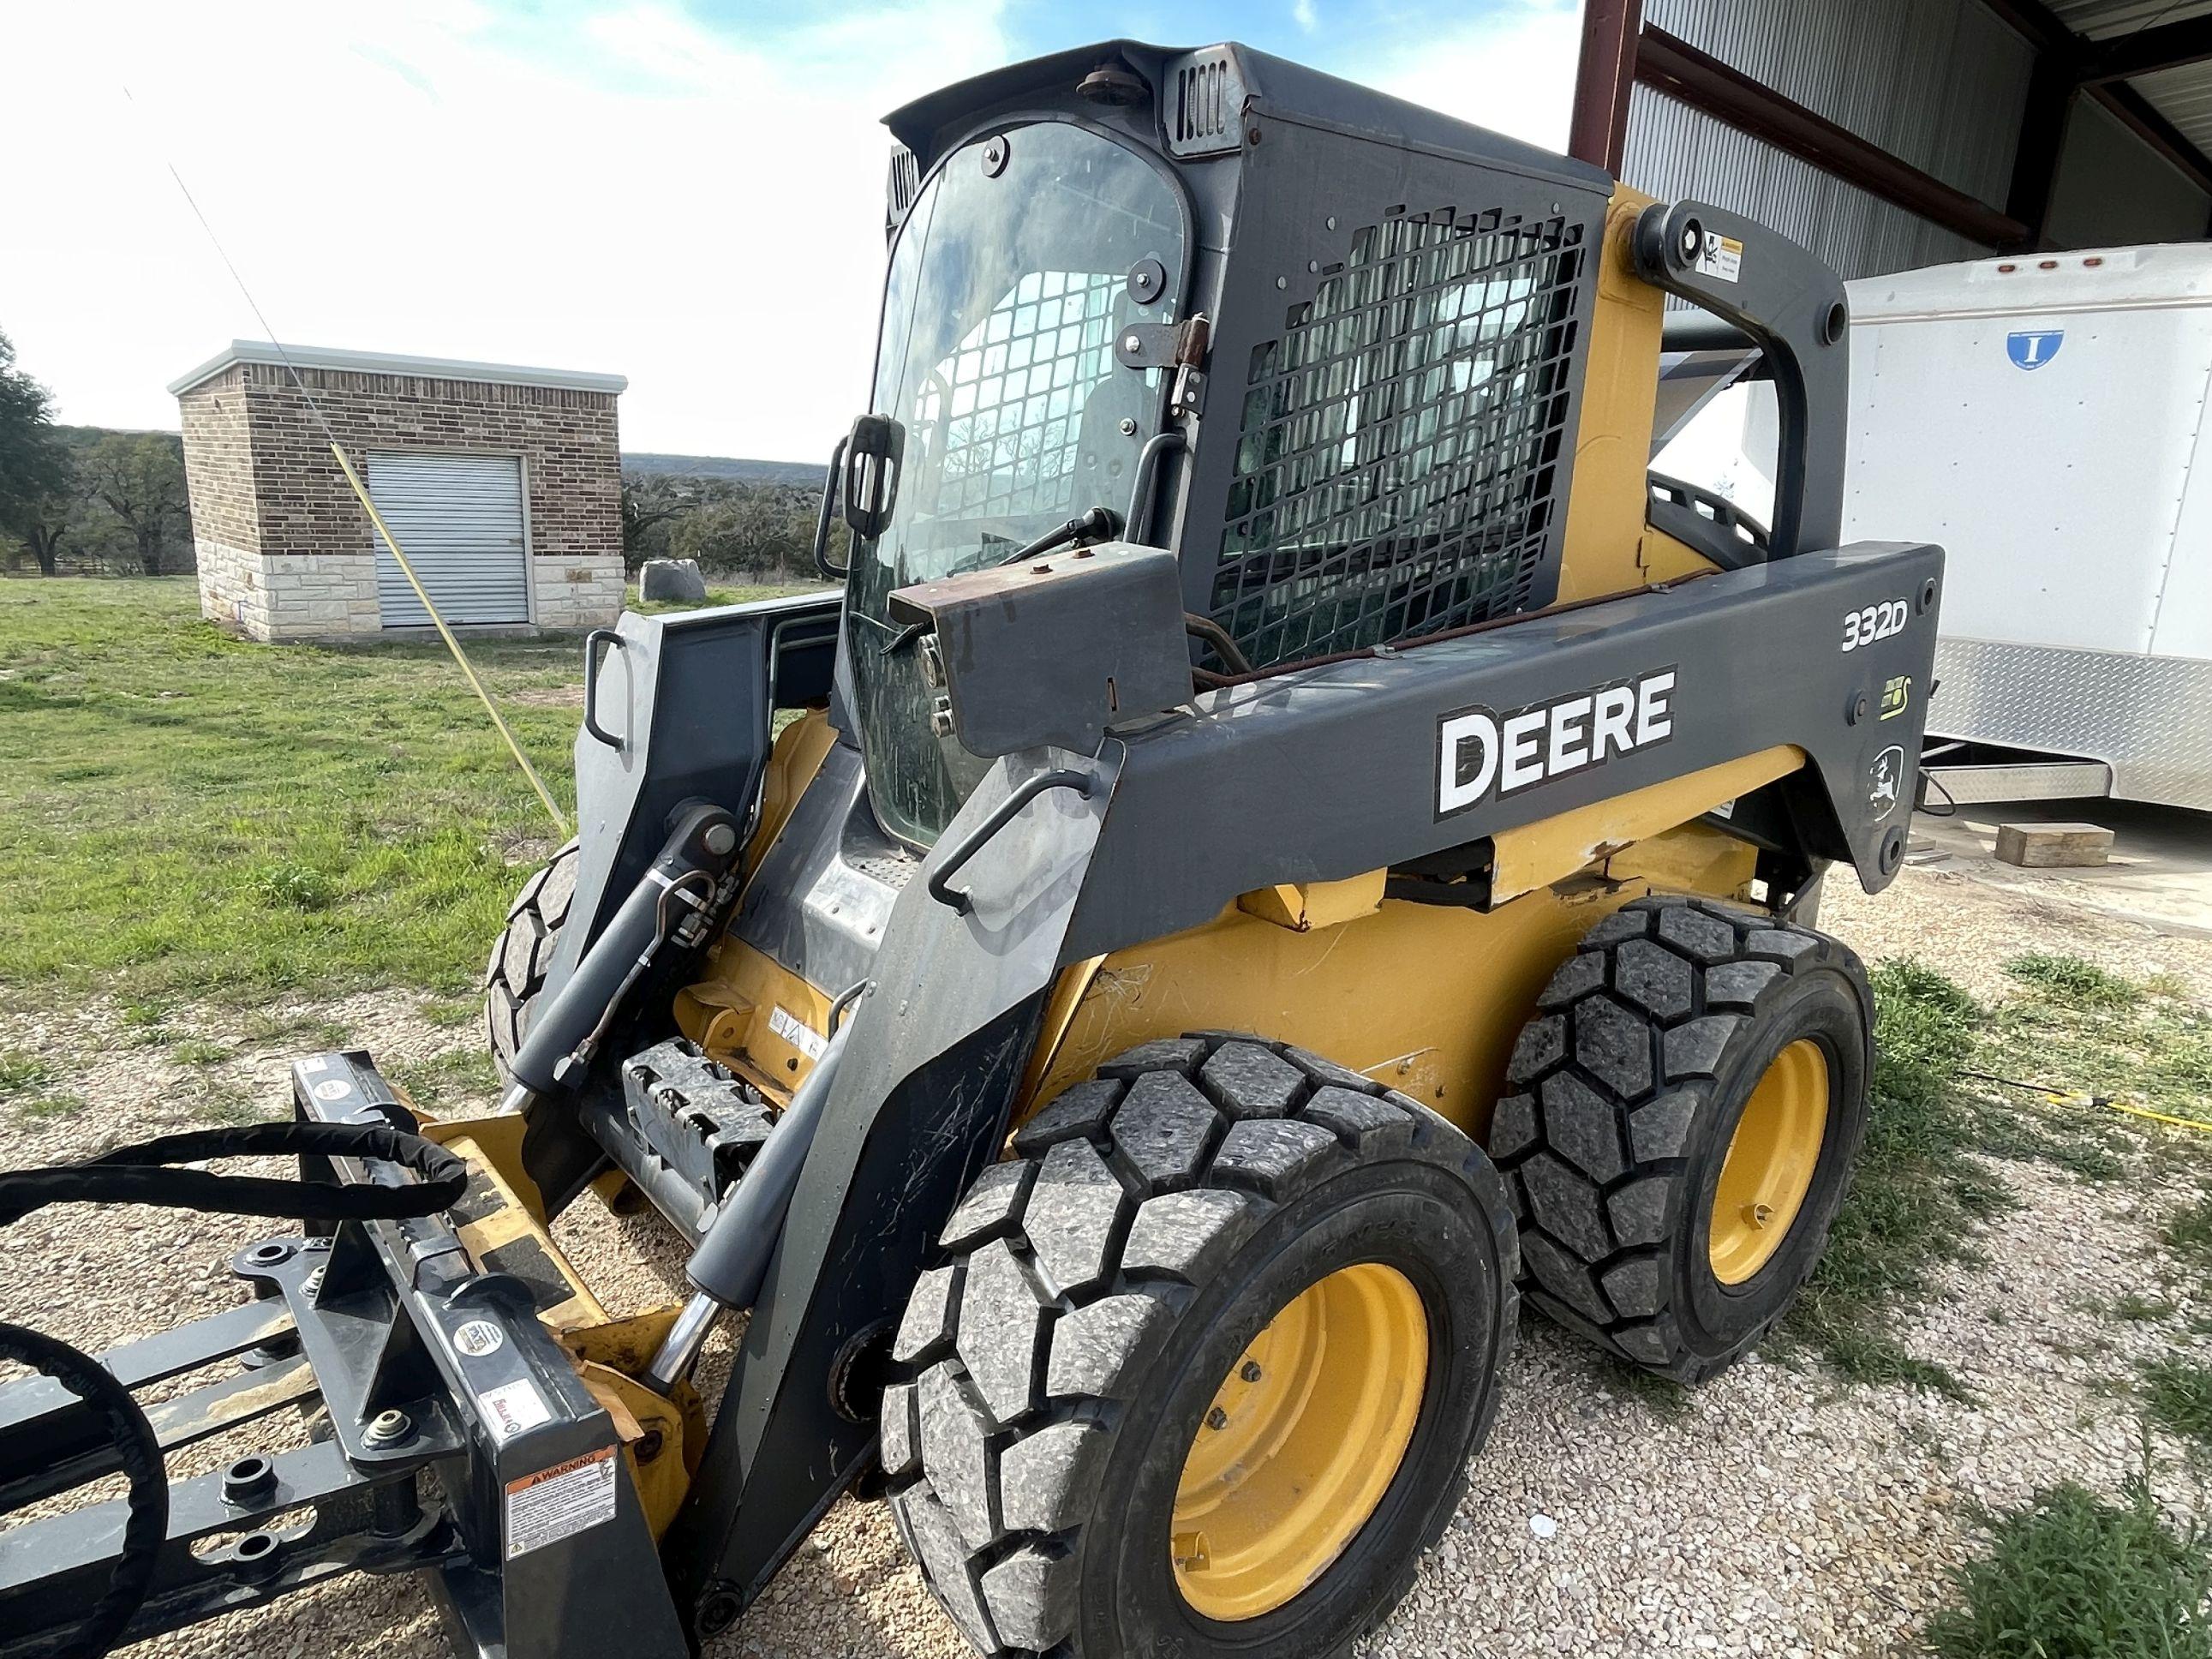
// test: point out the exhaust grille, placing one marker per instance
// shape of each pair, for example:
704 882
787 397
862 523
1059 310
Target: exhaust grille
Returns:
901 188
1205 115
1398 451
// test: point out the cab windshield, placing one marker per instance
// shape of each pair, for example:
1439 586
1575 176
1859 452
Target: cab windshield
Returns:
1009 282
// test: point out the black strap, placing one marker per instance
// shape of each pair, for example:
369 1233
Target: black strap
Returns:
145 1174
146 1526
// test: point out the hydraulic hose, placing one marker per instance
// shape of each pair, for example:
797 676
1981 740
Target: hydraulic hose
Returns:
144 1173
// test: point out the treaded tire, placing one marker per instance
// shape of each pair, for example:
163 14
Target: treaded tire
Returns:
1101 1284
1628 1086
525 950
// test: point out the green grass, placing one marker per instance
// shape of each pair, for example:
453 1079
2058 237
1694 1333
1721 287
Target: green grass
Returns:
2073 982
37 1107
20 1073
716 594
452 1011
2177 1397
447 1080
2189 1234
2072 1576
184 814
1917 1197
2076 1028
2135 1308
199 1051
1662 1396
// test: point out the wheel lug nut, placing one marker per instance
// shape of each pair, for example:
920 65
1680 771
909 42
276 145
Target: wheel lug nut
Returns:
1250 1372
1217 1418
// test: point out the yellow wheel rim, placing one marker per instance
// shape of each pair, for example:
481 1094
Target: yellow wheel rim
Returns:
1301 1442
1770 1163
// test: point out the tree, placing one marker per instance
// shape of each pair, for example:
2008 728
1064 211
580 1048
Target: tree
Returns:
45 523
34 469
751 532
646 505
140 478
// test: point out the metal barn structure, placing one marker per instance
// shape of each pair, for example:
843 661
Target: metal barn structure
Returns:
1889 134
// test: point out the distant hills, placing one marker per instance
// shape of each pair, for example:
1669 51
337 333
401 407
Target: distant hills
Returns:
808 473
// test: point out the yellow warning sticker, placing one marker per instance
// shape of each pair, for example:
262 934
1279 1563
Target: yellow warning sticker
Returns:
561 1502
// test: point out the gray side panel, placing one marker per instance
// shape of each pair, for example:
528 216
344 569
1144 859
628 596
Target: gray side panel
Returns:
822 895
1322 774
919 1104
2148 718
689 697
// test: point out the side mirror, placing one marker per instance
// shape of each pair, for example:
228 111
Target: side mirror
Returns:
871 469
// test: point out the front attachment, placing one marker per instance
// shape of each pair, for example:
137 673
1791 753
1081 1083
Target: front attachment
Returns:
464 1417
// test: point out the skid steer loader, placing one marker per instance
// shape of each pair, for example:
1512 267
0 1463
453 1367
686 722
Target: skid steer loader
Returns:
1284 849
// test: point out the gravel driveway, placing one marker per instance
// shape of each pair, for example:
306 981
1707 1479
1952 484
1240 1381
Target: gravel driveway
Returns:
1769 1512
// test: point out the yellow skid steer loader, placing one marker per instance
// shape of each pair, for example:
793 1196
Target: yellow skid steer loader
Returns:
1285 847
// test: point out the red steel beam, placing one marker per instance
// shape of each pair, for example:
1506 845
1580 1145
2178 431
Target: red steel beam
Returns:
2164 46
1599 130
2042 28
1668 64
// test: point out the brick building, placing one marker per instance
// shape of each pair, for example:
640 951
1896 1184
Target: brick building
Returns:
502 485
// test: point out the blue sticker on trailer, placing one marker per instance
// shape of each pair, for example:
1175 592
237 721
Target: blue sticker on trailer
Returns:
2033 347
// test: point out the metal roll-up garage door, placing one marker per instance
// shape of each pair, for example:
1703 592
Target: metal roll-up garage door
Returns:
458 518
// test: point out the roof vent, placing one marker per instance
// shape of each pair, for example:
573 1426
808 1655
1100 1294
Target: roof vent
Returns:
1205 113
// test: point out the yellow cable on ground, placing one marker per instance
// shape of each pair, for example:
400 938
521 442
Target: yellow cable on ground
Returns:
2131 1110
452 644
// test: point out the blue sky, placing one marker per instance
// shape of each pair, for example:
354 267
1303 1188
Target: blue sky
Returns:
688 195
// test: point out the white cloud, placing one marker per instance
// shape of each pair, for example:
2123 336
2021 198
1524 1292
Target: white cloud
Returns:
1512 70
1304 16
614 188
623 190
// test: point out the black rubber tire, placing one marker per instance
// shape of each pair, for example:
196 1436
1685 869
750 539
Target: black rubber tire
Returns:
1102 1283
523 953
1628 1086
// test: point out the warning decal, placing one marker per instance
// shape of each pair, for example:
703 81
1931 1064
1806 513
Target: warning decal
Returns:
559 1503
1720 257
796 1032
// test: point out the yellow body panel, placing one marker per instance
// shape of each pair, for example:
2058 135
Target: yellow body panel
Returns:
1606 548
1426 998
732 1012
1305 905
1538 854
797 756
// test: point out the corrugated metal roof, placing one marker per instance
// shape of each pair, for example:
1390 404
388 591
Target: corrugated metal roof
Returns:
2101 20
2182 95
1674 150
1938 83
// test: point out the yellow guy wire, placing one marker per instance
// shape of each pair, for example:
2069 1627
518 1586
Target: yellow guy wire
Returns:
452 644
2133 1110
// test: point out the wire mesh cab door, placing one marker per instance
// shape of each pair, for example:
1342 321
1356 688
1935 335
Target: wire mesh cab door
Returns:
1396 376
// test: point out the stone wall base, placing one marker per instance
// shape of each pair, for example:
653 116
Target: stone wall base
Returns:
576 592
309 595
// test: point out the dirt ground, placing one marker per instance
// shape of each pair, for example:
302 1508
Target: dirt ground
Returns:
1775 1512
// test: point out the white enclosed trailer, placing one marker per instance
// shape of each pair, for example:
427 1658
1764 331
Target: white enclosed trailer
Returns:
2044 419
